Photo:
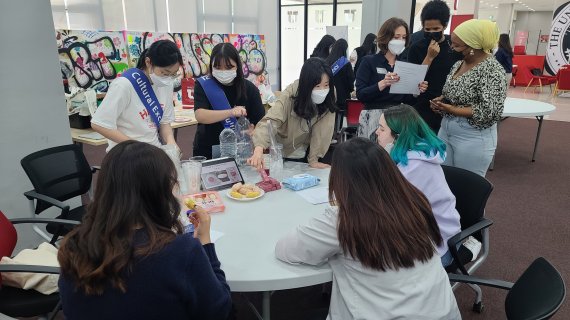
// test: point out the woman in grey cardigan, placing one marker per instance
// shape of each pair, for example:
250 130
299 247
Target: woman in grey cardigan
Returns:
379 240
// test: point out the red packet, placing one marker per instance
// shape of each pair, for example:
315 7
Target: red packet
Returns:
211 201
267 183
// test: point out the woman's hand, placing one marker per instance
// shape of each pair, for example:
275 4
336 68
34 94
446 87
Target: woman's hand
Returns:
388 80
250 130
319 165
256 159
439 107
423 86
201 221
238 111
177 149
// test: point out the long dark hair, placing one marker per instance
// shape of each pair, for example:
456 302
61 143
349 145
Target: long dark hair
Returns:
387 32
162 53
338 50
134 191
369 44
323 47
223 53
383 220
311 74
505 44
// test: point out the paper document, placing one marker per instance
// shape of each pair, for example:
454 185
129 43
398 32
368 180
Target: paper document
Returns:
92 135
315 195
411 75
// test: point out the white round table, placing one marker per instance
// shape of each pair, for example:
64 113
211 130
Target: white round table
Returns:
515 107
251 230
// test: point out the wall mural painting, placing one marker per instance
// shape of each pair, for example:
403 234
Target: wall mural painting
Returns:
196 49
91 59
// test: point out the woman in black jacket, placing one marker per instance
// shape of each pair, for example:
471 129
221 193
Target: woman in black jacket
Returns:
343 78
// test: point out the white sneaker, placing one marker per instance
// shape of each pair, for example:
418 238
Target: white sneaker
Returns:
473 245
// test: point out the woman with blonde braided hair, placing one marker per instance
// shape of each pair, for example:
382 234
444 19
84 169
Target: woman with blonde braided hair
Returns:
473 98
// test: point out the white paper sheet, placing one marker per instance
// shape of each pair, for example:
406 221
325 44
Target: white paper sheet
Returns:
411 75
315 195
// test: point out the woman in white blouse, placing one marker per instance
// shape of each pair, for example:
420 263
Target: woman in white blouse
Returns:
379 240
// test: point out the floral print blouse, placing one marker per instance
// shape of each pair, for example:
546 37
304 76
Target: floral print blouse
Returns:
483 88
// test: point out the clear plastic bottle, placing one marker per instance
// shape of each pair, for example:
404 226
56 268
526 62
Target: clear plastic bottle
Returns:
276 165
244 143
228 142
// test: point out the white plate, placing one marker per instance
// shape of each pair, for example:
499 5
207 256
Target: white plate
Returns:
244 198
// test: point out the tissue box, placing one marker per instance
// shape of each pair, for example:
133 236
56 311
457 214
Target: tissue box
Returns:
300 182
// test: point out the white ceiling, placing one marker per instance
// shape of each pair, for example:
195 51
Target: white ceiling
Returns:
520 5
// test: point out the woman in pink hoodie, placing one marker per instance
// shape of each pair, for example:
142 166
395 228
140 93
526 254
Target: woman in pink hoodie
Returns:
419 153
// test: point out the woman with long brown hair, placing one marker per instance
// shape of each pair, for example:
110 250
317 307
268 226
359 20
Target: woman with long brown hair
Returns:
379 238
128 258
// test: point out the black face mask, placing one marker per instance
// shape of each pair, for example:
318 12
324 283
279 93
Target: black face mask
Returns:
433 35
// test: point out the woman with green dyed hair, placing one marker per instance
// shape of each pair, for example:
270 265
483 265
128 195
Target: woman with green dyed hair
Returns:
419 153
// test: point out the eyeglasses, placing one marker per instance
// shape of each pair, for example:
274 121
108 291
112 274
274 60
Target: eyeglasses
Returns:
173 76
170 75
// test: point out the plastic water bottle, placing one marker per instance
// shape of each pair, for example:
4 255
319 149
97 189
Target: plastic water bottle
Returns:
228 143
276 165
244 143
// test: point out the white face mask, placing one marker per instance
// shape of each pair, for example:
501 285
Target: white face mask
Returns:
396 46
225 77
389 147
161 81
319 95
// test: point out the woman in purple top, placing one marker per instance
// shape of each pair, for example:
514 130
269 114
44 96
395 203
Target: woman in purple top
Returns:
418 152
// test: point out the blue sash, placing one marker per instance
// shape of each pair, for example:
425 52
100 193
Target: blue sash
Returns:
142 87
337 65
217 99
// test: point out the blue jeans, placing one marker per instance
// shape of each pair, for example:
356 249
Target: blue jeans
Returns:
468 147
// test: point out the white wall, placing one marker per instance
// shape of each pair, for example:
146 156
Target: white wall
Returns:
538 22
375 12
34 117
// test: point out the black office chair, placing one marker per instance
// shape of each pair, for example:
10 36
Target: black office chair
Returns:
471 194
16 302
537 294
57 174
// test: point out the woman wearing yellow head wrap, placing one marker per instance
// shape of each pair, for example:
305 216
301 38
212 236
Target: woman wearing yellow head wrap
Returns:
473 98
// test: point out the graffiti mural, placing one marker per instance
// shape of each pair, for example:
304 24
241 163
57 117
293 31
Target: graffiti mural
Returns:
91 59
196 49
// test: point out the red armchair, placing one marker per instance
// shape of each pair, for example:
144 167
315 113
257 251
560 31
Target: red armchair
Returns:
520 50
562 80
540 80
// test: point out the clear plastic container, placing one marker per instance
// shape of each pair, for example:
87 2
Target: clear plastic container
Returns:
276 164
228 143
244 143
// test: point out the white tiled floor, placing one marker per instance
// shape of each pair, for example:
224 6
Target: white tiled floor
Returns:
562 103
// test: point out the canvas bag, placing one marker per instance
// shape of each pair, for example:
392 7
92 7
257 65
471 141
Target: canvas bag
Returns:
44 255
